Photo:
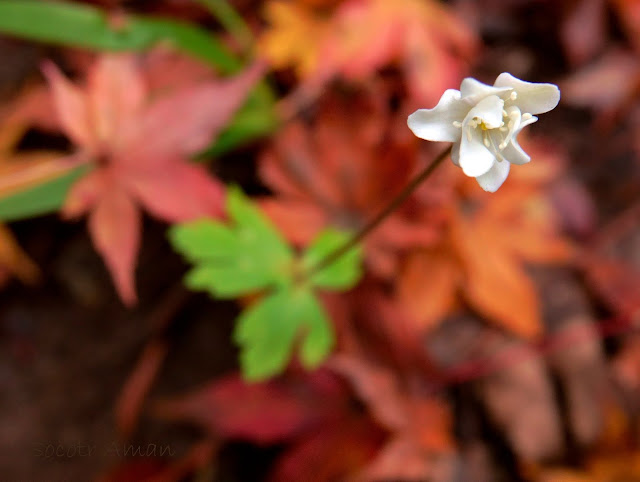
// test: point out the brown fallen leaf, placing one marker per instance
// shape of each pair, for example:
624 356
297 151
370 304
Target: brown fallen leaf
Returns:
611 266
584 30
625 370
511 380
629 14
617 67
582 369
420 445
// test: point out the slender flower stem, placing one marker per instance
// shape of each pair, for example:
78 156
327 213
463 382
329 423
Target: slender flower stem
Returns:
395 203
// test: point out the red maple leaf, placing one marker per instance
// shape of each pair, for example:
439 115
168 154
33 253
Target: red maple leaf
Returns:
328 437
262 413
341 169
140 149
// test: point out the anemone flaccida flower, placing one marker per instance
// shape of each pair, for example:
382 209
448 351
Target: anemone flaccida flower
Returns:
483 122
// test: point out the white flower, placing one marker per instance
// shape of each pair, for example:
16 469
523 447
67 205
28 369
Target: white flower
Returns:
483 122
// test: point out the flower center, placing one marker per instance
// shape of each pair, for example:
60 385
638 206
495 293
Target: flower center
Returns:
496 139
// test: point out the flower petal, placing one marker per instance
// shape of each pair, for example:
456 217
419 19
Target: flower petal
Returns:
455 152
532 97
514 153
437 124
475 159
494 177
525 121
473 90
488 110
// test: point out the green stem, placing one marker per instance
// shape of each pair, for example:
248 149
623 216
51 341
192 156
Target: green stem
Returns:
230 20
395 203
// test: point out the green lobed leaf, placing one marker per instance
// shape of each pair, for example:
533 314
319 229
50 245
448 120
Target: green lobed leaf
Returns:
229 280
39 200
246 255
268 331
231 260
342 274
203 240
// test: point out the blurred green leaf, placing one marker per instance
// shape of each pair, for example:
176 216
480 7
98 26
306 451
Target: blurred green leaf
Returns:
203 240
342 274
78 25
230 19
39 200
257 118
232 260
268 331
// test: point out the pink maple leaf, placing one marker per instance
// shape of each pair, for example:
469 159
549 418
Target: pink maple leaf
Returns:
140 149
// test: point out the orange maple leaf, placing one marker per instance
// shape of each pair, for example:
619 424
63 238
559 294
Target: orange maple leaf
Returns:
481 260
421 37
292 41
20 170
14 261
25 169
139 149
